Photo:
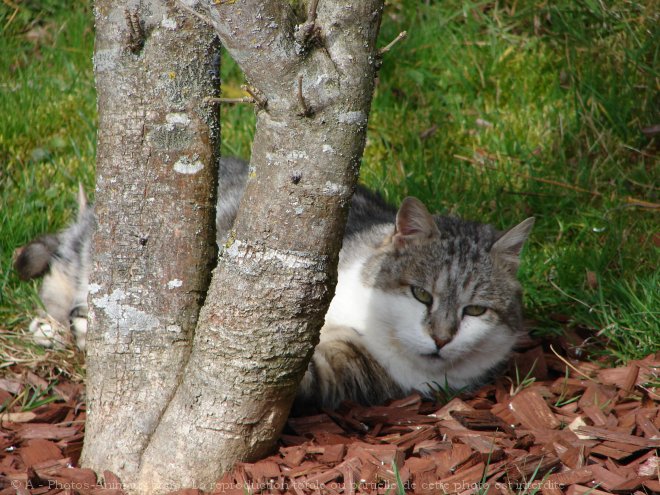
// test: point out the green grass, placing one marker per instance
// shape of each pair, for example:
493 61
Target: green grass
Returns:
495 111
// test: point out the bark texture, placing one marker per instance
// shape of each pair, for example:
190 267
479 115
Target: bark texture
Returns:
167 410
275 279
155 197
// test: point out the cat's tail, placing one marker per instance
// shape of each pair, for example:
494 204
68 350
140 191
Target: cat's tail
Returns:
233 174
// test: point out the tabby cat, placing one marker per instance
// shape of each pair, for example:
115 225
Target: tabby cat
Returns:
420 299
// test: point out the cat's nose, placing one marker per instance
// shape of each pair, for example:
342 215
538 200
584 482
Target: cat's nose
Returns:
440 343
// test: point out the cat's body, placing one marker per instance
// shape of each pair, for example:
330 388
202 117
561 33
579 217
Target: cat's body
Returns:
420 299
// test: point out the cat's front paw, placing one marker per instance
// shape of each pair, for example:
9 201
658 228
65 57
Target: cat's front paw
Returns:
79 328
48 332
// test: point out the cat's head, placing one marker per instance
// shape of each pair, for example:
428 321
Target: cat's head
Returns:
452 284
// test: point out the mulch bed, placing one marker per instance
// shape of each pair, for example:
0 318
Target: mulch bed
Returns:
563 426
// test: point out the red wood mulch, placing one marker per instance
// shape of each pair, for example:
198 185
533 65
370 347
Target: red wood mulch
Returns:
576 429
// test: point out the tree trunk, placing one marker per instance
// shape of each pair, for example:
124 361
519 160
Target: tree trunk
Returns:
313 80
155 196
273 284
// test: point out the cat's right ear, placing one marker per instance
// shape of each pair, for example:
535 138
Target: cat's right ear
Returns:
413 223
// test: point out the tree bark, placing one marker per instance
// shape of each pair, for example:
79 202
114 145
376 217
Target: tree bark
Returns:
155 198
273 284
164 412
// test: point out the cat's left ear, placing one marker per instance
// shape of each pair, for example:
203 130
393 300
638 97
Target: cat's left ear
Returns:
508 247
413 222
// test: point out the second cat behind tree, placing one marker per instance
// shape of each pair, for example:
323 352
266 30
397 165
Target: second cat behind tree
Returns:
421 299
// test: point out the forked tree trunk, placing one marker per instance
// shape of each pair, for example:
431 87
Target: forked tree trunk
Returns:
155 196
313 80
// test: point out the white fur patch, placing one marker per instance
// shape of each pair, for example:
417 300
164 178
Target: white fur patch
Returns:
390 325
58 293
79 327
172 284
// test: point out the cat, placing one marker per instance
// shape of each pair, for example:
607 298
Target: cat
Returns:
63 260
421 300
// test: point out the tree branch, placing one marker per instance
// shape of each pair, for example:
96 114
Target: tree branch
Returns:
309 31
402 35
231 101
239 383
256 95
249 30
193 12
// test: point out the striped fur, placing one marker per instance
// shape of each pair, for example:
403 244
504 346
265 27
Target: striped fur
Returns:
341 368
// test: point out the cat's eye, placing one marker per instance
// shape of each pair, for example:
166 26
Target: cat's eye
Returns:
421 295
474 310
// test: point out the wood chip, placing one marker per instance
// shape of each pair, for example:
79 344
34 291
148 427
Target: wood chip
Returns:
650 467
46 431
293 456
481 421
607 479
352 451
584 490
312 424
36 451
453 405
572 476
530 466
606 434
17 417
645 424
332 454
532 411
653 485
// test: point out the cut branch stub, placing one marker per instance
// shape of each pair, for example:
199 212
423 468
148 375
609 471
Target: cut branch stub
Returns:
305 110
308 33
136 35
257 96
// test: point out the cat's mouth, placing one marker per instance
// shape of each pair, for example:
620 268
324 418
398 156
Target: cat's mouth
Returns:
431 355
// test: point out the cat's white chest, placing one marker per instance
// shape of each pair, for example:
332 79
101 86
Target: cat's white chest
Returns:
350 306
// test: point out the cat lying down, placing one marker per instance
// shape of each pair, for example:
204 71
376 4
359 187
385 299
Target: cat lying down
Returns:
421 299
